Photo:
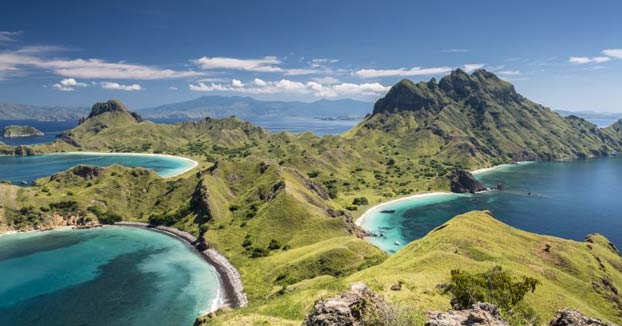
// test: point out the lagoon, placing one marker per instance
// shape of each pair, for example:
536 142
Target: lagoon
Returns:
20 169
108 276
568 199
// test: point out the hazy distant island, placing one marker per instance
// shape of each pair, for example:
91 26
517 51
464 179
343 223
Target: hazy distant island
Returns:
15 131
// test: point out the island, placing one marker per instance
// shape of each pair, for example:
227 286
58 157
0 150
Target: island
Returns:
15 131
281 207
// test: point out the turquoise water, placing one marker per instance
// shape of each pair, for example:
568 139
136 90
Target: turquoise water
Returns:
108 276
20 169
565 199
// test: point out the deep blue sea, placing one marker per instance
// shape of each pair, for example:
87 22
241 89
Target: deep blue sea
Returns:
25 169
566 199
49 128
108 276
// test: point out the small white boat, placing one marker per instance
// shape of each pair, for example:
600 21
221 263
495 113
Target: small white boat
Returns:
397 243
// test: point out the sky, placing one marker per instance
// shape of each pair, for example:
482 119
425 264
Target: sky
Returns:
562 54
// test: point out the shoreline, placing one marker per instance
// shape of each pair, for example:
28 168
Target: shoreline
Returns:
230 289
359 221
193 163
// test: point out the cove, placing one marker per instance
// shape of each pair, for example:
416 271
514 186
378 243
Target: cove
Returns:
25 169
569 199
108 276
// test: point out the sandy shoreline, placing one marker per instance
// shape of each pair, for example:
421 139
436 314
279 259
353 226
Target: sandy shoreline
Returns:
193 163
359 221
231 291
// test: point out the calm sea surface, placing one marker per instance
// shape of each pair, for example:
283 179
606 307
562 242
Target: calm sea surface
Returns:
108 276
566 199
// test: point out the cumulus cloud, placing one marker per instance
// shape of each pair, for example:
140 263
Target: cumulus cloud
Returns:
586 60
613 53
68 85
33 57
269 64
415 71
289 87
121 87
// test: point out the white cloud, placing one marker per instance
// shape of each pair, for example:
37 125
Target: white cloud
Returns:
32 57
269 64
68 85
613 53
237 83
172 88
415 71
327 80
8 36
472 67
121 87
290 87
585 60
509 72
321 62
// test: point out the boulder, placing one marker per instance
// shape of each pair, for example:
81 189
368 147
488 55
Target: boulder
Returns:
461 181
479 314
574 317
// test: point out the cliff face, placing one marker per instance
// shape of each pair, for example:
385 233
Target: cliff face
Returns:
112 106
462 181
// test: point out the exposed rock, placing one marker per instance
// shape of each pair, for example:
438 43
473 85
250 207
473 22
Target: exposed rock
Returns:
111 106
317 188
349 309
199 202
87 172
462 181
479 314
573 317
22 150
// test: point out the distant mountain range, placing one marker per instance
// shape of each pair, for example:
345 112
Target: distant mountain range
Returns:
206 106
10 111
250 108
591 115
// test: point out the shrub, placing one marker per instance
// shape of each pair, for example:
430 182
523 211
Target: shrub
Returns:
496 287
360 201
313 174
105 217
274 245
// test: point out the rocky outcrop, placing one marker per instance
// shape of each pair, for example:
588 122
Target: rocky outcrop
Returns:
478 314
199 203
353 308
22 150
111 106
14 131
462 181
573 317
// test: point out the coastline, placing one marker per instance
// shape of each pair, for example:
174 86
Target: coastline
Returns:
193 163
231 291
359 221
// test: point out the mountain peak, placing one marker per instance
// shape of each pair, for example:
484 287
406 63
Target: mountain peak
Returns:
112 106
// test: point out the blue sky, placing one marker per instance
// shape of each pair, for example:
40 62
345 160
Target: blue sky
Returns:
563 54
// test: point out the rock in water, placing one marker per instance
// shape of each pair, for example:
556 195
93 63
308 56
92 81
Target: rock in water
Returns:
462 181
573 317
478 314
348 309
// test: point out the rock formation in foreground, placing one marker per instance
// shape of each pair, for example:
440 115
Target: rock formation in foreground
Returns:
462 181
352 308
478 314
573 317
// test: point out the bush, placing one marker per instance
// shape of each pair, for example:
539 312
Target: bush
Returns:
313 174
105 217
360 201
274 245
496 287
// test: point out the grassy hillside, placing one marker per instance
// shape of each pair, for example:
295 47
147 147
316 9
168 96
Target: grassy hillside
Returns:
281 206
584 275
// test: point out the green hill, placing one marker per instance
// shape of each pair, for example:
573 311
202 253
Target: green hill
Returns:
281 206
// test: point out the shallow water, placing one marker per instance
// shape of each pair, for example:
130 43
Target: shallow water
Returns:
19 169
108 276
565 199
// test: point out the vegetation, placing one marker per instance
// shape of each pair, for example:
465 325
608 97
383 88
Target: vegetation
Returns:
278 205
